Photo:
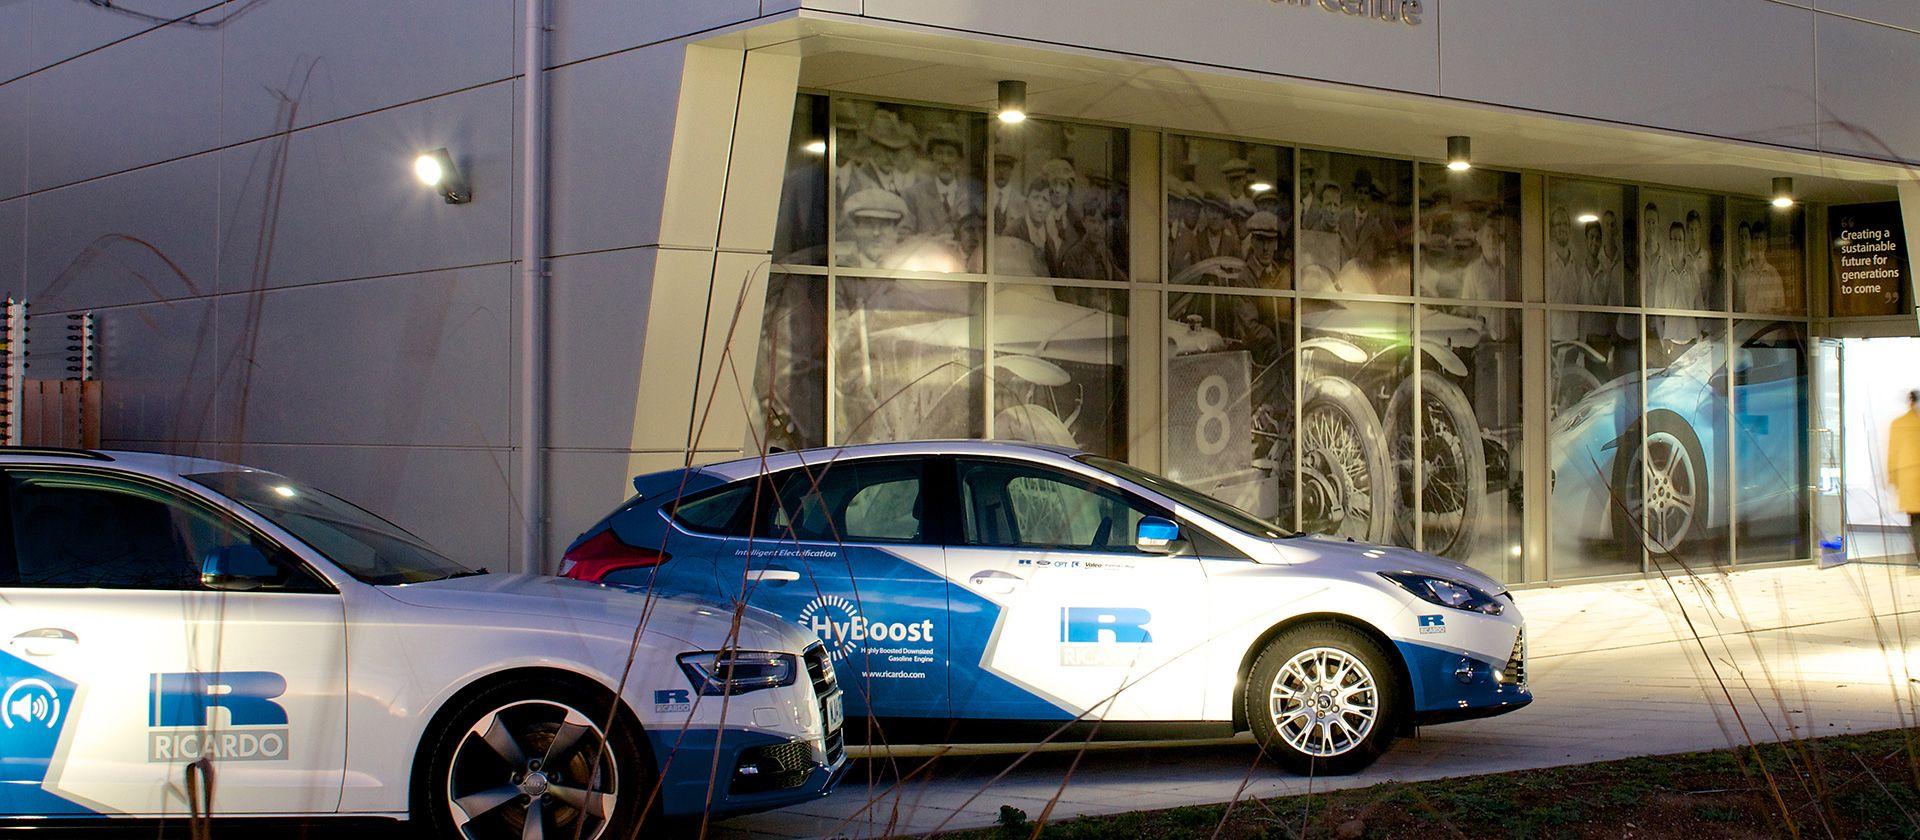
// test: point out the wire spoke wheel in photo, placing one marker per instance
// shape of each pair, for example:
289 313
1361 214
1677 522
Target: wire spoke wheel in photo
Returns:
1344 463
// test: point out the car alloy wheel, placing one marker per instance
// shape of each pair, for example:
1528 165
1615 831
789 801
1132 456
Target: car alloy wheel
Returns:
1672 492
532 769
1324 702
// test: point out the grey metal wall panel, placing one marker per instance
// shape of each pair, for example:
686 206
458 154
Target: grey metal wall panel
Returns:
599 306
16 46
147 99
345 203
1732 68
458 500
612 131
158 362
586 28
62 30
13 247
13 138
350 56
1868 76
1902 13
136 237
1261 36
582 487
418 359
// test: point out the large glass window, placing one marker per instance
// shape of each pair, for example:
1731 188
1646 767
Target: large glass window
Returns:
1768 277
1356 224
907 357
1594 385
800 234
1686 480
1680 250
1229 399
1059 366
1061 211
1229 202
790 371
1470 438
1469 233
1355 398
1770 440
910 184
1342 333
1588 245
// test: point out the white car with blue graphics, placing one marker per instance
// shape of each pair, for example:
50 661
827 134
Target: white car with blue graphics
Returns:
970 590
187 635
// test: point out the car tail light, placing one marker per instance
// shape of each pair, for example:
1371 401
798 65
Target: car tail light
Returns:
603 554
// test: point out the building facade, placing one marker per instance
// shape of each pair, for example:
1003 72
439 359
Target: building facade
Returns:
1225 245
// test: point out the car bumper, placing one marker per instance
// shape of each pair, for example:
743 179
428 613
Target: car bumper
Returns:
1453 685
754 770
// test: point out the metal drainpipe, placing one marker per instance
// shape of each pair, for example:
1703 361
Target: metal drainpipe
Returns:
532 304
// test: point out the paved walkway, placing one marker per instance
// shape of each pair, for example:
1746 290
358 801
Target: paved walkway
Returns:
1616 669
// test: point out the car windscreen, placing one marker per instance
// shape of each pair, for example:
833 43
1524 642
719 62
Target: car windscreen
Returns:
362 544
1209 506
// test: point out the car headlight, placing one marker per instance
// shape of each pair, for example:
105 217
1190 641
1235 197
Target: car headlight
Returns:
1446 593
721 672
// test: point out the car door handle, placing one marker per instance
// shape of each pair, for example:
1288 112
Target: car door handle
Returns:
44 641
995 581
776 577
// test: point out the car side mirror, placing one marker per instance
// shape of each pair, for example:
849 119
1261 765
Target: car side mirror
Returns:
1155 534
238 568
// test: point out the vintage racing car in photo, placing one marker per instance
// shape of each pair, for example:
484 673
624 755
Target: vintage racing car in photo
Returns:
964 589
179 629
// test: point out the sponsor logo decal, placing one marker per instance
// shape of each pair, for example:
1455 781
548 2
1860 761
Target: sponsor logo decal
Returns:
1431 624
35 706
673 700
180 711
1103 636
30 703
888 649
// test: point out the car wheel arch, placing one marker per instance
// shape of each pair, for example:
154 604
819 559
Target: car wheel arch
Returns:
1260 644
454 700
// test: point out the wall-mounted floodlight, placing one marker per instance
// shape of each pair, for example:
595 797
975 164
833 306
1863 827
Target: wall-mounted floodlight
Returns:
1459 153
1013 101
1783 192
436 169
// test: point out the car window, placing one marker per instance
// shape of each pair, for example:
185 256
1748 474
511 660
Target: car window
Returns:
713 512
850 501
1029 506
98 531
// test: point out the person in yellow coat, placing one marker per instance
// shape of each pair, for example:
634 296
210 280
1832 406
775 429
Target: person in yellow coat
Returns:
1903 464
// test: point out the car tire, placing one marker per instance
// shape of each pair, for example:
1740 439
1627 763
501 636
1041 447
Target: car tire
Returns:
1306 722
456 794
1671 443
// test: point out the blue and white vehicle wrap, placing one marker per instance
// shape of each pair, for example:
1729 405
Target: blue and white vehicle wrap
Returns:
937 627
325 701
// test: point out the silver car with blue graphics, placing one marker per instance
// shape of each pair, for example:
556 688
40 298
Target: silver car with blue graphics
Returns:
978 590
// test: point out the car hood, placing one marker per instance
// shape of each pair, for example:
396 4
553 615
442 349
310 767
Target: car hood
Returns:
1368 557
539 599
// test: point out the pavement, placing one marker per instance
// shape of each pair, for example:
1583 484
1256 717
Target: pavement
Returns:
1618 669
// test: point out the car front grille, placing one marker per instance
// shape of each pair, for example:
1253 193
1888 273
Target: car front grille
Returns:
1517 663
820 671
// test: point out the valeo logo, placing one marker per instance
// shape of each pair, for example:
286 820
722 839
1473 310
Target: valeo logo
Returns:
841 627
